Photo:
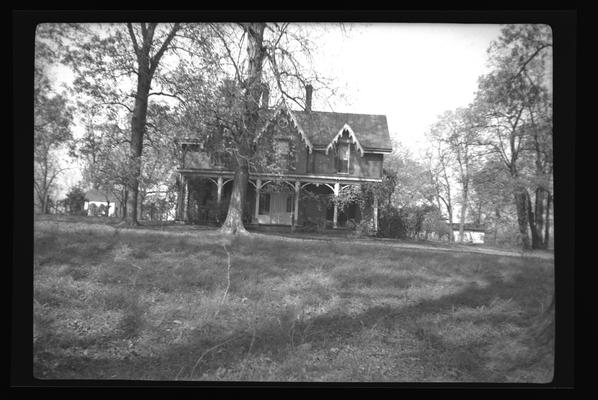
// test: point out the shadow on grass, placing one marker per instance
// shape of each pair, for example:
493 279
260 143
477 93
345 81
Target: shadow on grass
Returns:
262 267
277 338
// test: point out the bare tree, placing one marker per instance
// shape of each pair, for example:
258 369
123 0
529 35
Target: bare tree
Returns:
458 132
437 160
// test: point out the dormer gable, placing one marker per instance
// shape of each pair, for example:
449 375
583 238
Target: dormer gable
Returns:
281 115
347 132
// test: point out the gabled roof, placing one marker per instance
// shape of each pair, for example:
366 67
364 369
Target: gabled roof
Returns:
99 195
321 127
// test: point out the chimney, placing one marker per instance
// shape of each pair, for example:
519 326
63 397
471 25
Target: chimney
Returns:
265 96
308 91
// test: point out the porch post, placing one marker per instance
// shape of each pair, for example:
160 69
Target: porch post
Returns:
220 185
185 199
258 186
375 214
296 213
180 198
335 215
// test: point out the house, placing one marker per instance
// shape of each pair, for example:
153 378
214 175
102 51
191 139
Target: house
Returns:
471 233
97 202
321 153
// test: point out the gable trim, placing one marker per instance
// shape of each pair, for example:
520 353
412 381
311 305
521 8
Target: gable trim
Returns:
294 123
352 136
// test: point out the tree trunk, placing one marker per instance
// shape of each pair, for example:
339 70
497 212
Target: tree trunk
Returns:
234 218
140 201
521 199
451 234
138 122
539 215
42 202
463 211
124 204
497 215
253 90
546 221
45 204
531 219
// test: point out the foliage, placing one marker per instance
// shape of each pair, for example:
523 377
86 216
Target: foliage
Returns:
494 156
75 200
52 121
515 100
434 224
112 61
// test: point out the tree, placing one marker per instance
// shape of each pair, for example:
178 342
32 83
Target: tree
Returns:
52 121
457 130
116 63
252 64
515 102
75 200
413 185
492 198
438 161
103 150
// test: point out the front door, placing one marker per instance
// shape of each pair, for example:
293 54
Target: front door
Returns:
280 212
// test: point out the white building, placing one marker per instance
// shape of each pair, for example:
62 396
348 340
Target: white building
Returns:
471 233
97 201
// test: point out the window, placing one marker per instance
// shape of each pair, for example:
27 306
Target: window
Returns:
281 147
342 160
283 123
290 203
220 159
264 203
281 151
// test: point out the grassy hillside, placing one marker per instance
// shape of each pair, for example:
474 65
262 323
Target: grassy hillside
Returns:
143 304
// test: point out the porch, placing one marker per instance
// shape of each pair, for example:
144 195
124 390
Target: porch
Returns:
271 201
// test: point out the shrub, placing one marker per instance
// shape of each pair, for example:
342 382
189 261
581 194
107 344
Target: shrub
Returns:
75 200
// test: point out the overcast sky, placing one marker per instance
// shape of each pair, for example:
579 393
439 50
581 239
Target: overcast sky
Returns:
409 72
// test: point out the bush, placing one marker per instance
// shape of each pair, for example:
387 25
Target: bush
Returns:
75 200
391 224
408 222
314 225
363 228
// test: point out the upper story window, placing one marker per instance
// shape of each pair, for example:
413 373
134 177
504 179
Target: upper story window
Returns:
283 123
220 159
343 157
281 150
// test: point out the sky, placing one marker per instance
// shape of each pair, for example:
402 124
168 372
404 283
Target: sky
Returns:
409 72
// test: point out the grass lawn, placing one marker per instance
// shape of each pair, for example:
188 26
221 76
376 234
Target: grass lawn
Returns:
144 304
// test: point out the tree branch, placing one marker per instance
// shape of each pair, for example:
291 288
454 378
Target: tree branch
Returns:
167 95
530 59
156 58
132 34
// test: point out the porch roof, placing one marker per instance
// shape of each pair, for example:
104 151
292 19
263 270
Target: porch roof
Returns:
313 178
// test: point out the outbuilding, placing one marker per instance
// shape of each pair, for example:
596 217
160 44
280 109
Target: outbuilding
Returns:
100 203
471 233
